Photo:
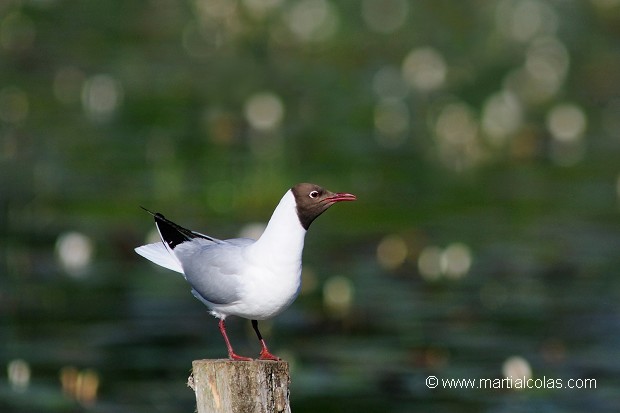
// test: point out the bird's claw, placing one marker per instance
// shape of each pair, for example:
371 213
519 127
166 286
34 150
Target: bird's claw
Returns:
266 355
237 357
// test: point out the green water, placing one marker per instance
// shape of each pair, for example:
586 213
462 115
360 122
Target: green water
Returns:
480 138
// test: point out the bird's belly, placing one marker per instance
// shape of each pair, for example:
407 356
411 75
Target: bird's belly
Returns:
267 295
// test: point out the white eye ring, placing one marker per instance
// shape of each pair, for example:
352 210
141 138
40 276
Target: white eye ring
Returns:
313 194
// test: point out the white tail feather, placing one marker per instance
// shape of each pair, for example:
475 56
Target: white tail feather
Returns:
160 255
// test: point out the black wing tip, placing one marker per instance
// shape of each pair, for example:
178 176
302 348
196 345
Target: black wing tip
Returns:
174 234
147 210
155 214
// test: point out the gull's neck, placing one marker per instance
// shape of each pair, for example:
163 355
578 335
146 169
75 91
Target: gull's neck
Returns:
283 239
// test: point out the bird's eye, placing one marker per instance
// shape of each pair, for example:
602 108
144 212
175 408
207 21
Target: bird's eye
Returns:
314 194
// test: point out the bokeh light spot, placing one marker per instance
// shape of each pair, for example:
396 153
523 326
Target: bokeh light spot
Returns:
261 8
264 111
215 9
392 252
546 64
456 260
516 367
429 263
424 69
18 372
456 123
312 20
81 385
501 117
526 20
101 96
541 78
338 294
566 122
385 16
309 280
547 60
452 262
456 132
74 251
523 20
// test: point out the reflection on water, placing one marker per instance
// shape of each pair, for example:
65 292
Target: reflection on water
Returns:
18 373
123 338
481 141
80 385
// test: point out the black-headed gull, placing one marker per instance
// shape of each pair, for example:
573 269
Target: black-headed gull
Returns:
252 279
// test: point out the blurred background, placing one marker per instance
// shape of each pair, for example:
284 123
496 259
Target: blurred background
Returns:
482 141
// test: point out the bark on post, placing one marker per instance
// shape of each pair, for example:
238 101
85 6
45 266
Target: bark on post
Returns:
241 386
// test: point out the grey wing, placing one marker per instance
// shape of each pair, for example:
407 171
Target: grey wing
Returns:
241 242
214 270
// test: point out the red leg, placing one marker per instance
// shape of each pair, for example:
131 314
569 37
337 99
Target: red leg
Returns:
231 353
264 352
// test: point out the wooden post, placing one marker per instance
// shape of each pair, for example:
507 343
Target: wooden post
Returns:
257 386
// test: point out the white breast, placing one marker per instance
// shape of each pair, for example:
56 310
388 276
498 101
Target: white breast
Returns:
272 276
267 294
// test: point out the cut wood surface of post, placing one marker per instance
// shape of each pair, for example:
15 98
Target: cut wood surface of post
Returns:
256 386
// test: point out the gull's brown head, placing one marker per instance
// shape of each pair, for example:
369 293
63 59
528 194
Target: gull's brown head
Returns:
312 200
